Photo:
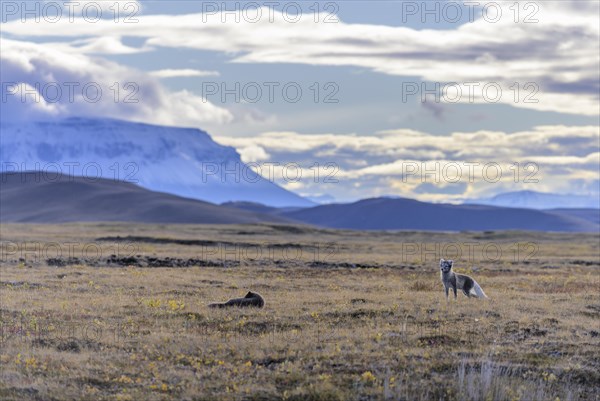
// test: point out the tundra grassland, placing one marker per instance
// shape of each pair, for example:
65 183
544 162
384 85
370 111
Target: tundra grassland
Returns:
99 311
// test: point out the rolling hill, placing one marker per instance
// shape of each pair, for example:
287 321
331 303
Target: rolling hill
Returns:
35 197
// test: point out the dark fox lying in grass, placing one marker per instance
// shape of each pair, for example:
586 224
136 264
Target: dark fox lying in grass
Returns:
456 281
251 299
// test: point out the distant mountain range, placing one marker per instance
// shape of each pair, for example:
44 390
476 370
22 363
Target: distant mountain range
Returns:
31 197
182 161
179 161
409 214
538 200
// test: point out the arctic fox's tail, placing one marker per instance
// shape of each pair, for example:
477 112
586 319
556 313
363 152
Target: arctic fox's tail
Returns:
477 291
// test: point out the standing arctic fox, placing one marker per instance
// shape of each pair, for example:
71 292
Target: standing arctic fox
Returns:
453 280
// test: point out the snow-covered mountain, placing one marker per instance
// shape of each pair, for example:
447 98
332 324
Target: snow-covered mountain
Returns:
539 200
180 161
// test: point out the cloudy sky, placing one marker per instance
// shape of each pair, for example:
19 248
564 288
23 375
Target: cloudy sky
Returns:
438 101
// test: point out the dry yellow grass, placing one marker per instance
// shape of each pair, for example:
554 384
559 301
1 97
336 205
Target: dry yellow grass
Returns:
349 315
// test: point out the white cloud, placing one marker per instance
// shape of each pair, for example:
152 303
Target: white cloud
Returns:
174 73
251 154
399 162
558 54
111 9
101 45
23 92
61 75
399 143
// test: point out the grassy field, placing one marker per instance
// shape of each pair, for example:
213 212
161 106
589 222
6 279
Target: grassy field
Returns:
118 312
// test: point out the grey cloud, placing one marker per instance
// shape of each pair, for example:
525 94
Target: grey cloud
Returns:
589 86
436 109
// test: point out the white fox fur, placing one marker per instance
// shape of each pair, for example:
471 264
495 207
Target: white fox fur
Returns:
455 281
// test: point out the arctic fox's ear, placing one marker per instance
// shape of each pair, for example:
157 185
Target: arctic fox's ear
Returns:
441 261
451 262
249 294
